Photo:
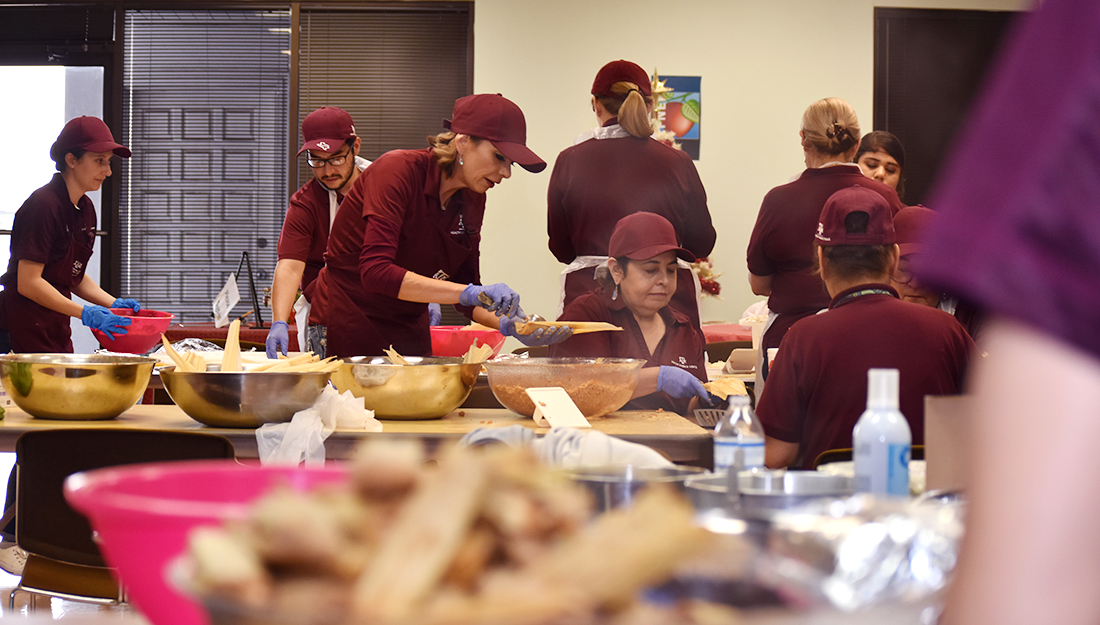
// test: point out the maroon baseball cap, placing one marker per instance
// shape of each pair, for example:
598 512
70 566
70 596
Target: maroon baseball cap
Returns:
493 117
620 71
910 224
643 235
855 199
86 133
326 129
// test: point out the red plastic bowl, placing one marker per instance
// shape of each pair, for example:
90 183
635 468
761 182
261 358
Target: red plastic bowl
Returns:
142 514
454 341
142 334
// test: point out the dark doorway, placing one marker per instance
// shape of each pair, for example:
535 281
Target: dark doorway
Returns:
929 64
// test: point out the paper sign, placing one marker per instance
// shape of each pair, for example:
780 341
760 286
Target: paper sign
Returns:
554 408
226 300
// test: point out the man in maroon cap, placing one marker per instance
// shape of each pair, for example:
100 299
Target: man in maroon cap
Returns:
817 385
409 233
332 150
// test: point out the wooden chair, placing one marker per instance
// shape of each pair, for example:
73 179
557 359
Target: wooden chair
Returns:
62 557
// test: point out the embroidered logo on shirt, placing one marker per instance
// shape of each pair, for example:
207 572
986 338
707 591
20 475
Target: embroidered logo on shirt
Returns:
683 363
461 226
441 275
77 266
323 145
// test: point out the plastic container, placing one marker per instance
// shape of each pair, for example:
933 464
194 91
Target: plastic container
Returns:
142 334
739 429
881 440
455 341
143 513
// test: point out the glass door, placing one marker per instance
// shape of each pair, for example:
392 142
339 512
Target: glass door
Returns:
38 100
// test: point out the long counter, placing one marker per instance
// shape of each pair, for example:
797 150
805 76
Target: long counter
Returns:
679 439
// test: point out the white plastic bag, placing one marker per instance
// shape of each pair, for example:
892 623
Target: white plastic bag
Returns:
302 439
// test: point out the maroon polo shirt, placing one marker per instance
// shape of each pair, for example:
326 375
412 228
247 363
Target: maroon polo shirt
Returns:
1017 228
682 346
304 236
44 228
781 244
390 223
817 385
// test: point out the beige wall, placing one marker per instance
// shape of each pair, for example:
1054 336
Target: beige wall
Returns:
761 61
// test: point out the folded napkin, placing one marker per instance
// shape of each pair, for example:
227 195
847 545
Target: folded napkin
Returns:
302 439
570 447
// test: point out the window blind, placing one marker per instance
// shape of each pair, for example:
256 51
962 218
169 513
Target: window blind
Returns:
205 110
396 69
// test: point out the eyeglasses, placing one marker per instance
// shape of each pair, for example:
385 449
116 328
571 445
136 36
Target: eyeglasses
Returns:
902 275
335 161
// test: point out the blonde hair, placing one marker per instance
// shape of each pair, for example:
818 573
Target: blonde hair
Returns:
830 126
445 151
631 107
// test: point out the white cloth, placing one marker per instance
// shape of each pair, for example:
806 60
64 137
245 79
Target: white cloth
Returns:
301 317
570 447
302 439
614 131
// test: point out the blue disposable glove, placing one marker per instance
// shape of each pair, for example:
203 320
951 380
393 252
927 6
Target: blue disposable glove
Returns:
102 319
277 339
679 383
132 304
504 301
542 336
435 315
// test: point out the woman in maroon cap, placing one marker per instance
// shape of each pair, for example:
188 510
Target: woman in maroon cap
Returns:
817 387
408 234
51 242
780 252
637 296
616 170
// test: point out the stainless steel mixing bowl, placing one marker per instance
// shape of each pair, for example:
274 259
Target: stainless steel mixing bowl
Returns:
242 400
597 385
426 388
76 387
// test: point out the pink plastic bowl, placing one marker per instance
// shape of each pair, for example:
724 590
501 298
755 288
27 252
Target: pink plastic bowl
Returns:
142 514
454 341
142 334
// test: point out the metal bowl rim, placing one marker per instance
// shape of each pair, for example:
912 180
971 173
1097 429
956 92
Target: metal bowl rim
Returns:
82 360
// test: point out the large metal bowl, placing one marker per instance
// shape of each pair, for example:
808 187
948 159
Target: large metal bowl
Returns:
597 385
617 486
243 399
426 388
75 387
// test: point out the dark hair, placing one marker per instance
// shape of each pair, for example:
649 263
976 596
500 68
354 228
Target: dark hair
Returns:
603 274
882 141
848 262
78 153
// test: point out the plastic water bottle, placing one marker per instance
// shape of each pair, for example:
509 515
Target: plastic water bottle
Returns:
881 440
738 429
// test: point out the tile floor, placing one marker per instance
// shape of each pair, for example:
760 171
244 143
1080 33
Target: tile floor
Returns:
46 608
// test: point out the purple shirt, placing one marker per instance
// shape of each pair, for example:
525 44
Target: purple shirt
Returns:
1017 230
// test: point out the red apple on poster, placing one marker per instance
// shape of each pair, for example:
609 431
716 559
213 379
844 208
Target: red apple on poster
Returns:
675 122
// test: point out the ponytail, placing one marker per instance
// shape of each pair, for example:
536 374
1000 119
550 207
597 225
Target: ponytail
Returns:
631 106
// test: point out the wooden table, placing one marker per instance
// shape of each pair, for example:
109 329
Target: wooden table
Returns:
682 441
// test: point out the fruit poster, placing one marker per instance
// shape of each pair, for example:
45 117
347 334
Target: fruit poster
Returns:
682 111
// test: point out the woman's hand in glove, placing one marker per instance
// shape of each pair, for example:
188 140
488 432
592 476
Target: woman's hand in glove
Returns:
542 336
680 383
278 339
102 319
498 298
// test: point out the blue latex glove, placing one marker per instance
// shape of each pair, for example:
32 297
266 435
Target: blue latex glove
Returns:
277 339
505 301
102 319
679 383
132 304
542 336
435 315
